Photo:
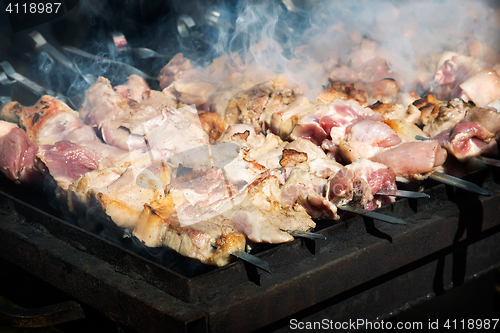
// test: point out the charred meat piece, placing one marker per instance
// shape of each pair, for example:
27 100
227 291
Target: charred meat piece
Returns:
213 125
344 91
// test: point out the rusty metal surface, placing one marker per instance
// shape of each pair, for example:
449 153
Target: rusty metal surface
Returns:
357 261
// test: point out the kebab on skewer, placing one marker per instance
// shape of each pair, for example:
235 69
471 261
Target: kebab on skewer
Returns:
282 110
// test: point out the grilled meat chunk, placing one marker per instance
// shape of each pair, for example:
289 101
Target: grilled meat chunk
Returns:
17 154
210 241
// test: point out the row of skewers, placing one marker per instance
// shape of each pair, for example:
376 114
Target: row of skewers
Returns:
12 77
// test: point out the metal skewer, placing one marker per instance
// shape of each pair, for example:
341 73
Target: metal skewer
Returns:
402 193
130 69
120 44
10 76
457 182
264 265
305 234
489 161
40 44
373 215
11 73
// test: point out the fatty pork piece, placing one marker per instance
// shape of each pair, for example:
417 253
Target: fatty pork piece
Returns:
189 83
210 241
17 154
452 70
208 88
412 159
486 117
49 121
467 140
483 88
115 116
329 122
175 136
262 217
378 177
121 193
256 105
366 138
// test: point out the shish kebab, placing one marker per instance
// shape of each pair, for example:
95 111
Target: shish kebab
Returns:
77 132
91 135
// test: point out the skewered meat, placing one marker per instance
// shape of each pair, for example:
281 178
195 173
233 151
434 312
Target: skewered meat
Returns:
16 155
66 162
444 116
467 140
48 121
256 105
367 137
211 241
412 159
483 88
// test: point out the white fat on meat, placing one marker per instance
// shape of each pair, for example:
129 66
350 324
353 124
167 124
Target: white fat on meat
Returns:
176 136
115 114
81 193
366 138
283 121
320 165
269 153
378 176
483 88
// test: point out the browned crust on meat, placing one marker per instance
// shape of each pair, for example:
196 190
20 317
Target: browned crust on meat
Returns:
291 157
344 91
428 108
213 125
240 136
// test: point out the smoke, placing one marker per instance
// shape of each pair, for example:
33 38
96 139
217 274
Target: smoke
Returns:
307 42
304 40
